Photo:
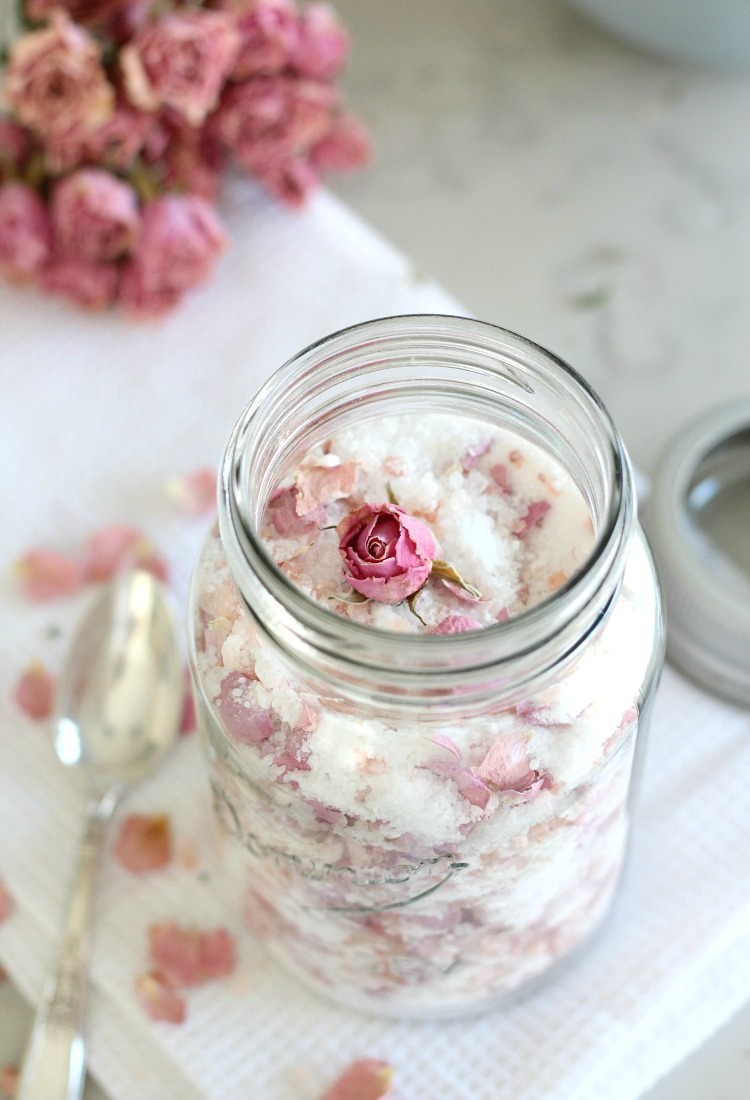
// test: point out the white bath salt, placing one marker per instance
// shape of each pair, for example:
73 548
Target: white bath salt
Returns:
404 865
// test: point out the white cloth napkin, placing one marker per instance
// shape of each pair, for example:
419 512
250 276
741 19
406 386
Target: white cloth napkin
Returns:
97 415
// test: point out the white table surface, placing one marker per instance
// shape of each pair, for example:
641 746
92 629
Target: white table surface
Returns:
565 185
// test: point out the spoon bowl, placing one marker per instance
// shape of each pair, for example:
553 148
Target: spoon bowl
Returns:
120 693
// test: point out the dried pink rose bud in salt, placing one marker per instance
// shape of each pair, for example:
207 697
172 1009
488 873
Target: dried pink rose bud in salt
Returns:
181 61
35 691
533 518
365 1079
268 31
456 624
7 905
159 998
94 215
118 547
55 80
188 956
45 575
195 494
322 44
345 148
90 284
144 843
179 242
387 553
24 231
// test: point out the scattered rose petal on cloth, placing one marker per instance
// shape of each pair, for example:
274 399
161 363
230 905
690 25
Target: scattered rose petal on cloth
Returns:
118 547
365 1079
35 691
9 1076
7 904
159 998
144 842
45 575
188 956
195 494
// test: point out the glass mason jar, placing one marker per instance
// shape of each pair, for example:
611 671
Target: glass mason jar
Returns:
440 903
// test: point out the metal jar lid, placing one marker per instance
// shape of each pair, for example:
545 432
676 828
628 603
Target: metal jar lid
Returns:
698 520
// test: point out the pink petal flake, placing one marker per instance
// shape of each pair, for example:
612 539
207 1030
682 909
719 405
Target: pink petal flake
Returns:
533 518
195 494
472 456
365 1079
187 719
319 485
118 547
46 575
159 998
460 593
506 769
282 513
144 843
499 474
35 691
456 624
9 1077
7 904
470 786
446 743
187 956
243 718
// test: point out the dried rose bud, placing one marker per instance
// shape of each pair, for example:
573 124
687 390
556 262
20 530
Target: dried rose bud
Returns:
387 553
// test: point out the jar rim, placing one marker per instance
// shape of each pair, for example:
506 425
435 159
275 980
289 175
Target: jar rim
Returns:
471 662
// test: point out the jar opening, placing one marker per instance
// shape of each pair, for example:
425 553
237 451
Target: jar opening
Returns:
412 365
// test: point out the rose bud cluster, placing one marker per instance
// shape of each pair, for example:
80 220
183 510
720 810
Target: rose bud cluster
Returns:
122 116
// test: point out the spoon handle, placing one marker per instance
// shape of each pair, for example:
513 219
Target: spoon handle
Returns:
55 1063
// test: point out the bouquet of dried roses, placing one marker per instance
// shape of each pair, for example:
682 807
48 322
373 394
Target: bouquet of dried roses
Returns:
121 117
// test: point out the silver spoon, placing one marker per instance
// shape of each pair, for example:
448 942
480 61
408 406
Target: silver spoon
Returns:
119 705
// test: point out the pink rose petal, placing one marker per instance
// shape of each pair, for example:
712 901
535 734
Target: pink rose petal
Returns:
118 547
456 624
9 1077
446 743
365 1079
159 999
144 843
470 786
7 904
460 593
35 691
243 718
506 766
474 453
533 518
195 494
324 484
188 956
188 719
294 754
499 474
45 575
282 513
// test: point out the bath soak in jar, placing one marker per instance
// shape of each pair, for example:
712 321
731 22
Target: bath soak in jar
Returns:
426 633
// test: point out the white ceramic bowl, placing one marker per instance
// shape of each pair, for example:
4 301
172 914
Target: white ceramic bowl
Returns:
713 31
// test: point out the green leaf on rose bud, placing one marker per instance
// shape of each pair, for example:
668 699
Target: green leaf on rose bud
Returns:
348 597
392 498
446 572
412 604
